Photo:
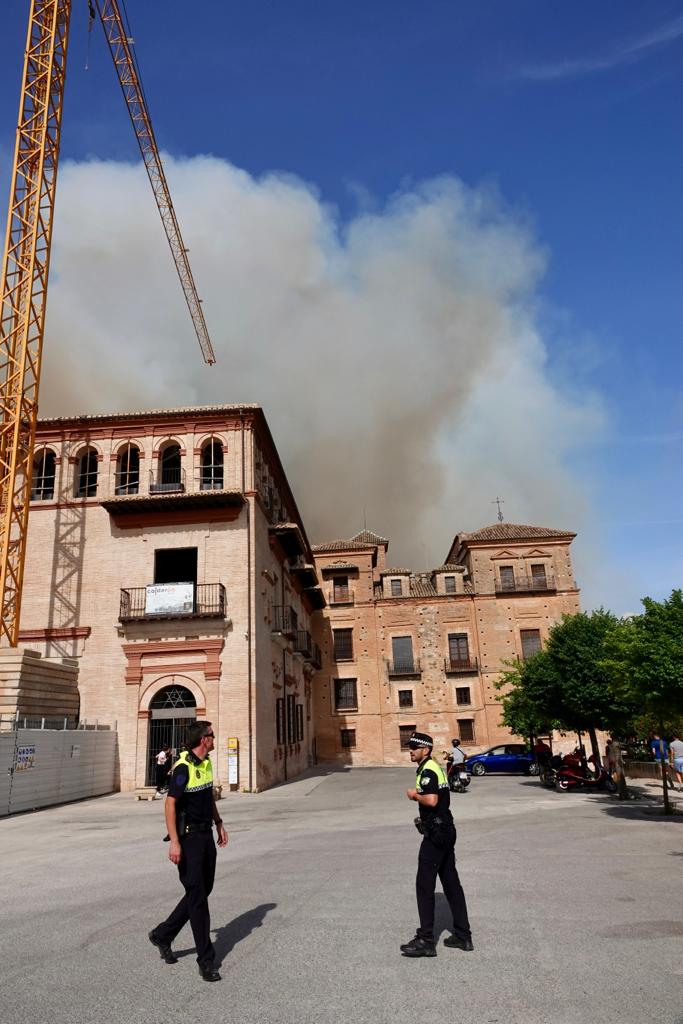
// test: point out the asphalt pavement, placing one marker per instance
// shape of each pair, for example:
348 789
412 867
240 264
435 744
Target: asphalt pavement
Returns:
575 902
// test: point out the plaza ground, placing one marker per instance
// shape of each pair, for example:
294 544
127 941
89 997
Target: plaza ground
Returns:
575 904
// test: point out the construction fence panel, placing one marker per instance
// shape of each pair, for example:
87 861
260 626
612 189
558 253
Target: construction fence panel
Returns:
48 766
7 744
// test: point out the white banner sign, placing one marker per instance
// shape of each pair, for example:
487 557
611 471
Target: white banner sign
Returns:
169 598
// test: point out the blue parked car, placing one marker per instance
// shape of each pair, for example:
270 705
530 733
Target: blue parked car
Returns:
508 757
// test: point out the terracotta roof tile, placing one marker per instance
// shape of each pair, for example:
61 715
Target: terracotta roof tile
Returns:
368 537
396 572
339 545
513 531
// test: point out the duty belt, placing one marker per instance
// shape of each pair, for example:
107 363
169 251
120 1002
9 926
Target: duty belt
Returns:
202 826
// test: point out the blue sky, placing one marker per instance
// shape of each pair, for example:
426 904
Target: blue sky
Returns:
570 110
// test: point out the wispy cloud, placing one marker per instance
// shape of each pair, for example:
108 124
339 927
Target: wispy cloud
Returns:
627 52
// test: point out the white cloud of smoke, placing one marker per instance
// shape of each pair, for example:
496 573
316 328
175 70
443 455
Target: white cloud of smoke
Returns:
397 357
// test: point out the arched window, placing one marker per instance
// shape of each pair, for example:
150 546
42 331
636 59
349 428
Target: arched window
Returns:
43 484
86 476
170 475
128 470
212 466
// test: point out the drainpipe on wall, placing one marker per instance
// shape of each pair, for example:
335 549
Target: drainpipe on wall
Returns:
249 614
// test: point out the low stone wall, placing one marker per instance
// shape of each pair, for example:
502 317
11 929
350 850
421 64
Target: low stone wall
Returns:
37 687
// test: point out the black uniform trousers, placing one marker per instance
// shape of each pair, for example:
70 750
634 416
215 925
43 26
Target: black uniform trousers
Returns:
197 869
440 860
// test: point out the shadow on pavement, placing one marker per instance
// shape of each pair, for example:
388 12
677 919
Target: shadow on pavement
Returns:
230 934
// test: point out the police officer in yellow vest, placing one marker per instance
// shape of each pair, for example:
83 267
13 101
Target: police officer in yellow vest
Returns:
437 853
190 811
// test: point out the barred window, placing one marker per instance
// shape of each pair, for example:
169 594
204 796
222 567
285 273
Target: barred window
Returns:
128 470
212 466
531 642
405 698
402 652
345 694
466 730
291 718
86 477
44 469
462 695
280 720
348 738
404 734
299 722
343 644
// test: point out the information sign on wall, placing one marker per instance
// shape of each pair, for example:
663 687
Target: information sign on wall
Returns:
233 761
169 599
26 759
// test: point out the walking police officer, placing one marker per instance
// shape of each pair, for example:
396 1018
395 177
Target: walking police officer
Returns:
437 853
190 810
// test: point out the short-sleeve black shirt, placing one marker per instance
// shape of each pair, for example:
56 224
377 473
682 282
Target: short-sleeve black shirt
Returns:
198 807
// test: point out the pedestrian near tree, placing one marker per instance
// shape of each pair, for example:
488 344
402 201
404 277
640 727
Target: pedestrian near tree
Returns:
676 755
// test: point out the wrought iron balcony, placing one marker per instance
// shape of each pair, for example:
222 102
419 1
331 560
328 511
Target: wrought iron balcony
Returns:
526 584
404 667
340 595
203 600
166 481
303 643
454 666
284 620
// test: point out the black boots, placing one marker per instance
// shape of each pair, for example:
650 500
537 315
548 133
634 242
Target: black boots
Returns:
419 947
209 972
455 943
164 948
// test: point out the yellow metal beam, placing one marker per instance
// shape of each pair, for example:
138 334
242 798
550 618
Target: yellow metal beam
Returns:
23 285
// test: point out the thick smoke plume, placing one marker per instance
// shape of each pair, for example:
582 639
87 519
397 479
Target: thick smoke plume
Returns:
396 356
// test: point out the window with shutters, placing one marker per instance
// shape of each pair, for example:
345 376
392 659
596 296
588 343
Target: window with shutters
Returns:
212 466
128 470
507 577
462 695
458 648
402 652
343 644
531 642
466 730
340 589
397 588
449 584
404 734
539 579
345 695
348 738
405 698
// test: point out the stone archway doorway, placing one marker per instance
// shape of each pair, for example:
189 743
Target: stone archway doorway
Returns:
171 710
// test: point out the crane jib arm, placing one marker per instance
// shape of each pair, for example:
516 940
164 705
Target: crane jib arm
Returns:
131 86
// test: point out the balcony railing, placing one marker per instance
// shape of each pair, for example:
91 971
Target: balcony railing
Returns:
205 600
303 643
339 595
284 620
456 665
526 584
405 667
166 481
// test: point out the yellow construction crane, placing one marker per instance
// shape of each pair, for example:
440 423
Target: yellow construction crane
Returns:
26 262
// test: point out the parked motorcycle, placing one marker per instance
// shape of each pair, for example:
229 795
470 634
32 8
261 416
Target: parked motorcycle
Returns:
572 777
457 775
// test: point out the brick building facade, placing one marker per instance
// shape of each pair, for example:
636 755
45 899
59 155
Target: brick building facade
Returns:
166 553
404 650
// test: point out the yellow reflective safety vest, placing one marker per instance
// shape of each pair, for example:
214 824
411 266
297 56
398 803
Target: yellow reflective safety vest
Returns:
200 776
434 766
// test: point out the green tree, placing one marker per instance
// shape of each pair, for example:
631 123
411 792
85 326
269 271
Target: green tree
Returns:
644 661
523 702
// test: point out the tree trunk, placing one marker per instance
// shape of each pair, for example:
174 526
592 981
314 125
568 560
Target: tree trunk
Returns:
668 809
620 773
595 750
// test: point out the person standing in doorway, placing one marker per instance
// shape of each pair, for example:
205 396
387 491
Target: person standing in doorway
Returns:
163 760
437 853
190 812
